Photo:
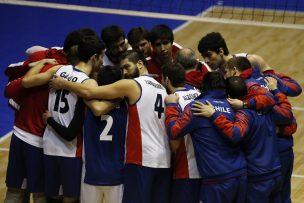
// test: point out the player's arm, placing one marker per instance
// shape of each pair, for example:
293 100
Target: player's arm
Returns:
34 78
120 89
282 112
75 126
234 131
286 84
177 125
98 107
258 98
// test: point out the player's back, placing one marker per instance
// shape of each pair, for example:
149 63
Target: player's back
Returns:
62 105
146 142
104 146
217 158
185 165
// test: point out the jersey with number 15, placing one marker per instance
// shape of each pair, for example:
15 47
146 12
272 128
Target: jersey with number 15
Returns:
62 106
146 141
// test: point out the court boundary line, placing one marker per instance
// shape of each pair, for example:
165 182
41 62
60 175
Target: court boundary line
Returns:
6 136
149 14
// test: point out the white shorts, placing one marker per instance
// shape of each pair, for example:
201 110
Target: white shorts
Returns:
100 194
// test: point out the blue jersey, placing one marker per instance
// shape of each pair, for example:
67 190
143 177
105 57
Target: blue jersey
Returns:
104 146
216 157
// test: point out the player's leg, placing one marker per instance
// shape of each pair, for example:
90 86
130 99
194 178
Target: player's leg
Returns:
70 172
16 172
186 190
161 186
113 194
138 182
91 193
52 178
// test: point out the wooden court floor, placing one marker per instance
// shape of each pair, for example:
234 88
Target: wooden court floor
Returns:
283 50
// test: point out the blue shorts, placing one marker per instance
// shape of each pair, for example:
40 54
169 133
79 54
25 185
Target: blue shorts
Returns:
264 191
232 190
25 162
65 172
145 184
186 190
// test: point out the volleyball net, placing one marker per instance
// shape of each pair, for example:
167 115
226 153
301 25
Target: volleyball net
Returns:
258 11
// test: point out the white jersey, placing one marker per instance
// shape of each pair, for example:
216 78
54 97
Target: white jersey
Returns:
147 141
62 106
185 162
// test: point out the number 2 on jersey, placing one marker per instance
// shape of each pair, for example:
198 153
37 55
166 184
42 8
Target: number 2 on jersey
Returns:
158 106
109 122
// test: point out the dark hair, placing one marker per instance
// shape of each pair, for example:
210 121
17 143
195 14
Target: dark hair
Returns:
241 63
175 72
162 32
108 75
89 46
111 34
73 38
236 87
87 32
213 80
212 42
134 57
187 58
137 34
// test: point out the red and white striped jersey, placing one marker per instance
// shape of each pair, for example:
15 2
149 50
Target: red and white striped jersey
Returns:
185 162
147 141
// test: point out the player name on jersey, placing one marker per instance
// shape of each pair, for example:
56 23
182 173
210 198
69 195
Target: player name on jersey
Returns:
190 96
158 86
68 77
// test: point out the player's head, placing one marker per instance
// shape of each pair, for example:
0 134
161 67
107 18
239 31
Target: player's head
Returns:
213 80
71 42
213 48
173 74
133 64
187 58
161 37
236 87
235 66
108 75
139 39
90 50
114 38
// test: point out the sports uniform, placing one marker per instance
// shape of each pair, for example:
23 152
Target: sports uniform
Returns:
221 165
147 169
104 152
62 157
186 178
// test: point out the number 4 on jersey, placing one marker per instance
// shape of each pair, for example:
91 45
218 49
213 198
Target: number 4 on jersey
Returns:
158 106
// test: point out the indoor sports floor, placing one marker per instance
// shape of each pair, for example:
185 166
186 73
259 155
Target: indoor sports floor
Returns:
23 26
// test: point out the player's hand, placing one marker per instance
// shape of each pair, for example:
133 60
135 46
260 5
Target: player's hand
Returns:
271 82
235 103
172 98
56 83
45 116
200 109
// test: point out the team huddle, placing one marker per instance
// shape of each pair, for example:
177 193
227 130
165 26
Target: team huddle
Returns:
139 119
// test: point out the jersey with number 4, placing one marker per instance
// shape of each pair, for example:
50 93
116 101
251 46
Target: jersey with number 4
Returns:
62 106
147 142
104 146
